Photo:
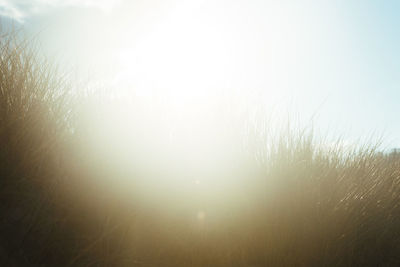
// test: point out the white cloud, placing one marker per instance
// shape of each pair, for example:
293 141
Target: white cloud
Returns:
22 9
10 11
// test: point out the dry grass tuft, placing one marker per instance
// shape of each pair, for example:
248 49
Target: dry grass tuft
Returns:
300 203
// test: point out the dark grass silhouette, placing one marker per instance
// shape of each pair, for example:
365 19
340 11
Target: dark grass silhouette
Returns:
33 125
297 203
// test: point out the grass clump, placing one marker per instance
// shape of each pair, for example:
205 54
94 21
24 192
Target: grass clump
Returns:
34 111
296 202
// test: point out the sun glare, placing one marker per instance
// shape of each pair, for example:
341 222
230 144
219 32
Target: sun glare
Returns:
189 133
188 87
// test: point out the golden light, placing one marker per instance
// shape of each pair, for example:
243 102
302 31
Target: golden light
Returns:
186 88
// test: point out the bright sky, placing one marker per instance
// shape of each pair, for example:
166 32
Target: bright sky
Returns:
339 59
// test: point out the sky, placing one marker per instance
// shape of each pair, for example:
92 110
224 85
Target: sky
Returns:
336 62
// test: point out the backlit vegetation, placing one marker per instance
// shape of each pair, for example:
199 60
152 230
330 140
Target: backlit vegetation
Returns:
284 199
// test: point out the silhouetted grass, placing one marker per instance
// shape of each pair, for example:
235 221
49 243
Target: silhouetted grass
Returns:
296 201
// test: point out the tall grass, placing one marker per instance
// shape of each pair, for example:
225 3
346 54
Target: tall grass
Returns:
34 114
297 202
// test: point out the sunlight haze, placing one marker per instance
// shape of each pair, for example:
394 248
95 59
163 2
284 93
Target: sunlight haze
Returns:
199 133
309 57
